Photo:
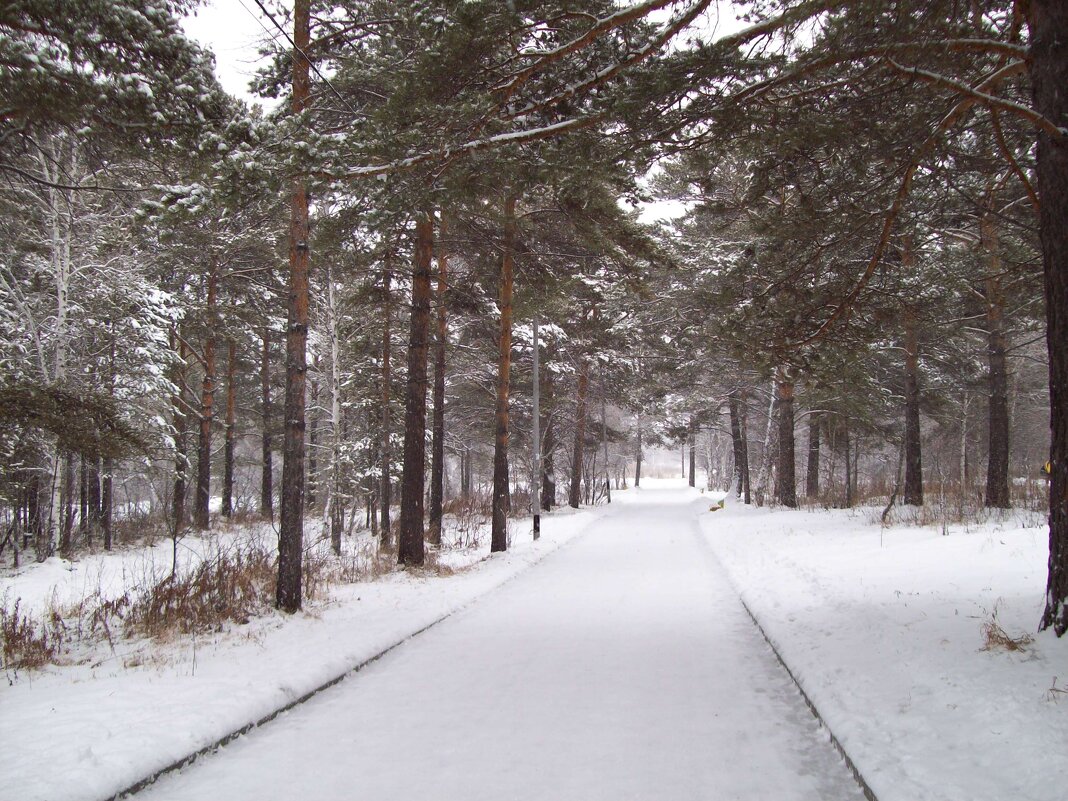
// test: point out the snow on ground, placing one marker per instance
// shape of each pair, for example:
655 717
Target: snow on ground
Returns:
884 630
621 667
85 731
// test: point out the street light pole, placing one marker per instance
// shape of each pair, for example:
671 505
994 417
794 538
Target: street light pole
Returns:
537 438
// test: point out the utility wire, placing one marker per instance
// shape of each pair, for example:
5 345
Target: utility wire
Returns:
307 58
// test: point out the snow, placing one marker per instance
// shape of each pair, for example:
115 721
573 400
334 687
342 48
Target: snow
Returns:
622 666
124 715
619 666
883 628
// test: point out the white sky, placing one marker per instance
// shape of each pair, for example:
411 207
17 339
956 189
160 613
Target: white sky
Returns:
232 29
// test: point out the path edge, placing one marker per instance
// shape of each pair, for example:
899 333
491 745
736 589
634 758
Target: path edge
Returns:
207 750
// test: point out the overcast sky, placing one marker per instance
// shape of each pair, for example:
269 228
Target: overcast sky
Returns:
231 29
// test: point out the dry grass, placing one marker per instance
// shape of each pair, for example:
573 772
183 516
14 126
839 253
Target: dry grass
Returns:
228 585
995 638
26 643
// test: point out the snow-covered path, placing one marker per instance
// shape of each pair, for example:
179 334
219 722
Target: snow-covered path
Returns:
621 667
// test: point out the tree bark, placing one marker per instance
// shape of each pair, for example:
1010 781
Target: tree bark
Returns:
499 530
289 593
267 473
997 471
66 504
913 491
437 447
410 549
107 502
334 510
384 450
786 477
179 419
1048 20
691 445
83 499
548 418
638 463
231 430
604 440
848 469
812 472
575 494
202 501
311 480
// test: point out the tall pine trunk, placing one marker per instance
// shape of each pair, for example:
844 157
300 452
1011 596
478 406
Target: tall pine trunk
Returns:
499 530
231 430
311 479
267 470
997 471
179 418
575 494
691 445
384 451
786 477
638 463
410 549
548 427
288 596
812 470
437 446
207 408
1048 21
333 512
913 493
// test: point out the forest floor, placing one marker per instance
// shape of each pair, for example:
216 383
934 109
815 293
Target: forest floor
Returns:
918 649
112 713
621 666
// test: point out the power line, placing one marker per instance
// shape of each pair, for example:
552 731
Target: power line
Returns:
307 58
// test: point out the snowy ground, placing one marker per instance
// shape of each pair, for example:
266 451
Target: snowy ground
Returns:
621 667
884 630
85 731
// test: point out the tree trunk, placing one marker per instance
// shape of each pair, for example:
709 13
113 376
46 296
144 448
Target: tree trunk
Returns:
334 510
997 471
913 491
812 473
437 447
107 502
548 427
691 445
231 431
410 543
311 480
207 408
288 596
604 440
179 419
384 450
1048 20
848 470
743 414
764 474
499 536
83 499
638 463
93 490
575 494
66 505
267 473
786 478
